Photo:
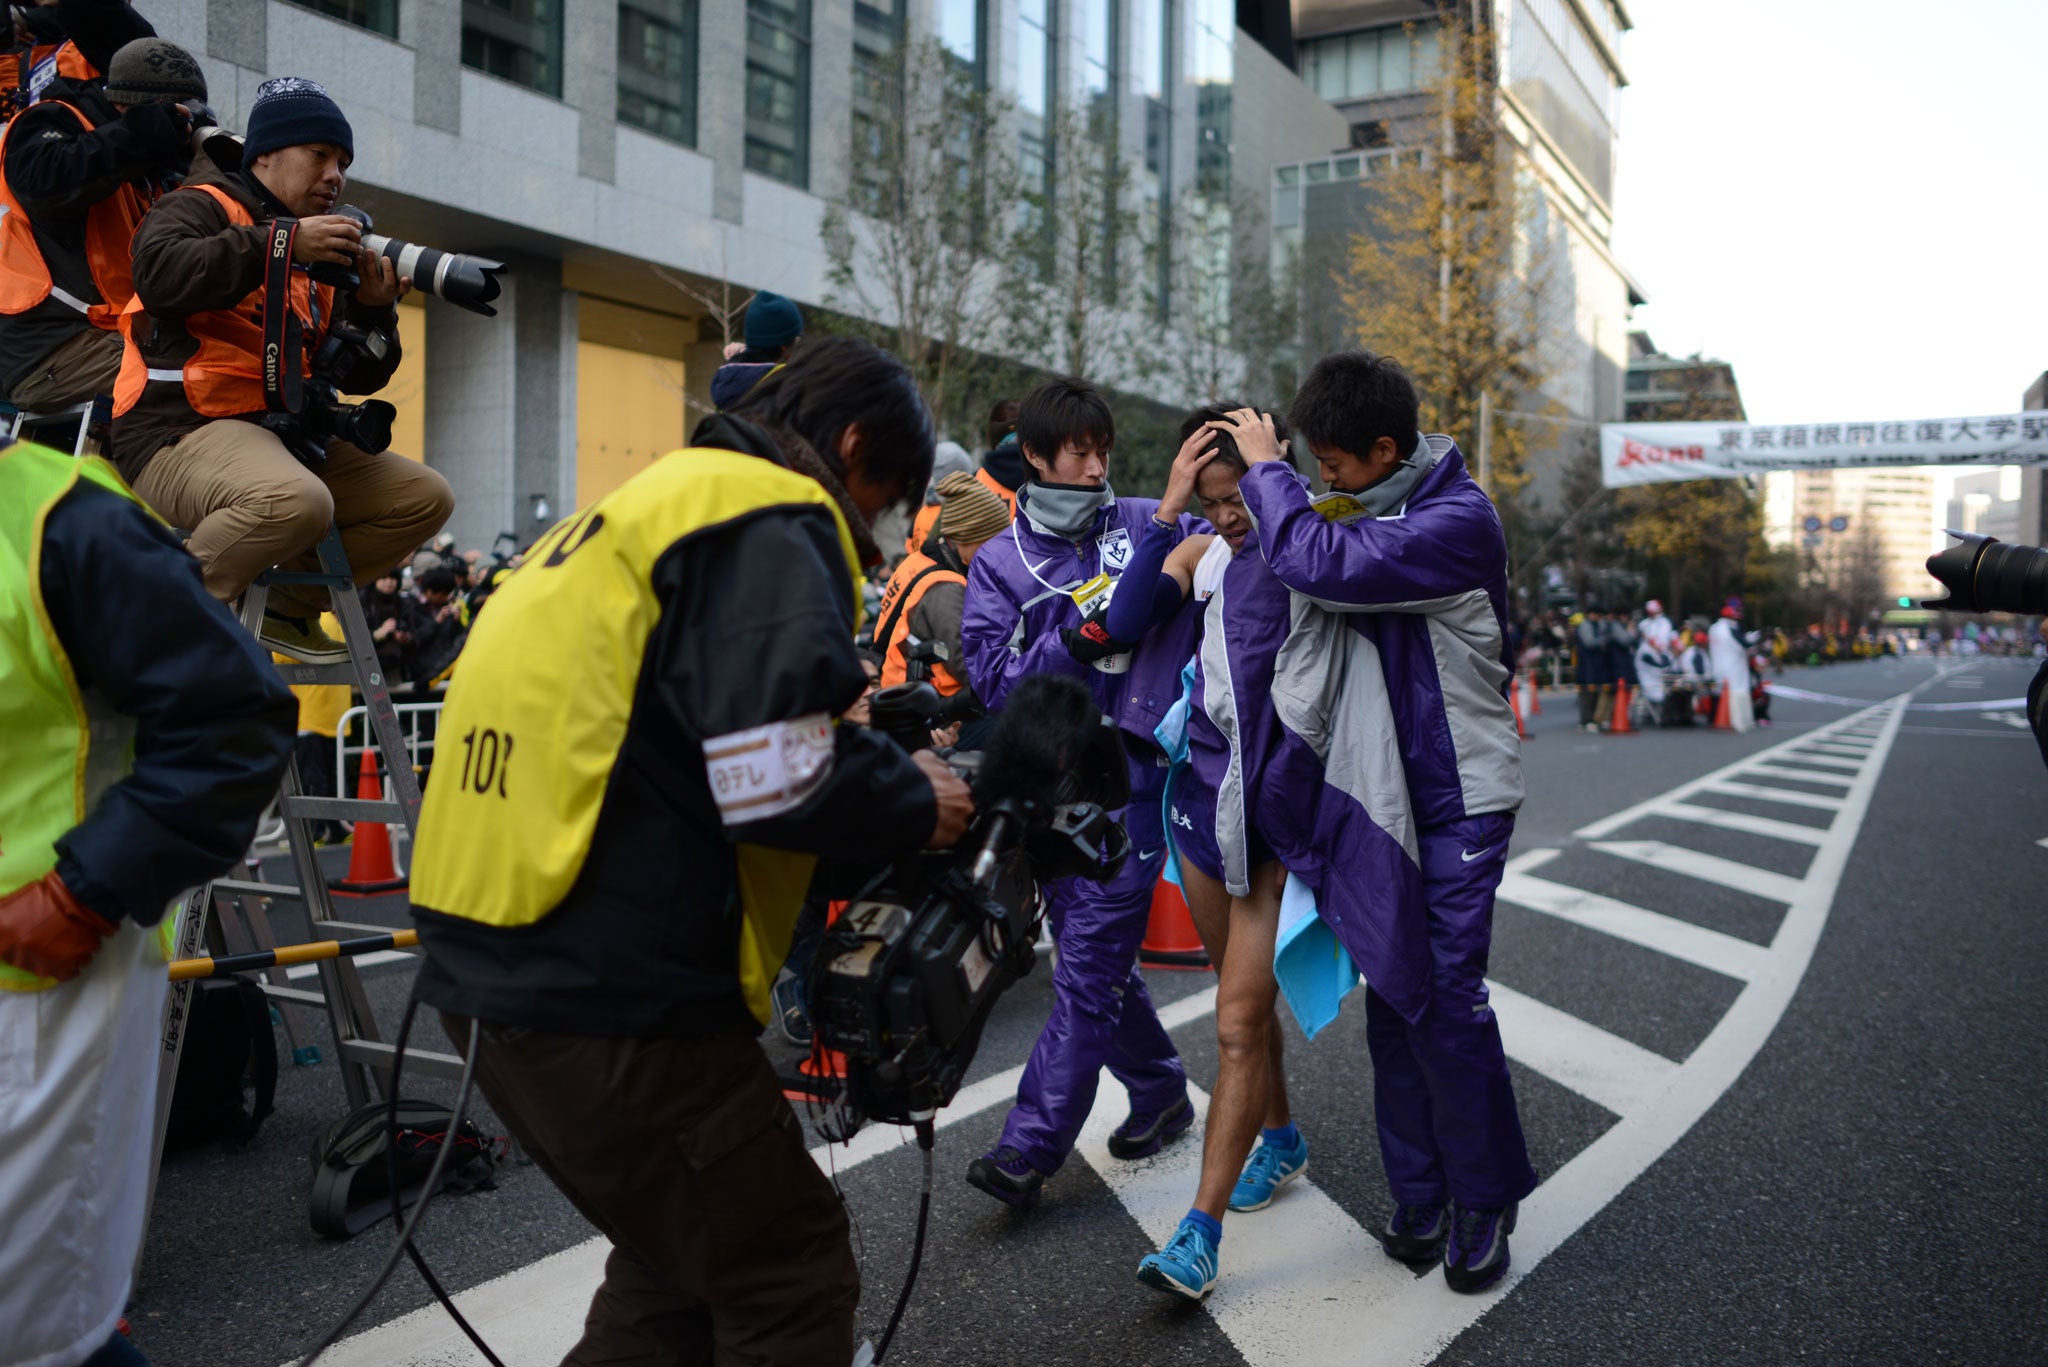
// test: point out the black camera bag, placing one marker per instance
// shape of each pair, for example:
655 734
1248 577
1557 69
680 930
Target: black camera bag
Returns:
351 1174
230 1047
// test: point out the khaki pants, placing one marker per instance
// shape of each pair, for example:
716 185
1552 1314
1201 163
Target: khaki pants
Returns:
729 1247
79 369
250 505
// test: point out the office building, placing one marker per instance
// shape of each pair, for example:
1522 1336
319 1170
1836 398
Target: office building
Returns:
1838 515
1987 502
1661 388
644 165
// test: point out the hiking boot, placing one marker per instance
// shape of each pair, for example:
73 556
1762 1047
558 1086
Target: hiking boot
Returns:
1476 1254
1005 1175
1265 1172
1416 1234
1186 1266
302 639
1145 1133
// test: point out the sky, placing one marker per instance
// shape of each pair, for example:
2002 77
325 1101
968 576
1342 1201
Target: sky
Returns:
1847 201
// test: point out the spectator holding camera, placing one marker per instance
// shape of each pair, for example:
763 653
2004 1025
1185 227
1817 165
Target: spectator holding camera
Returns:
77 172
193 393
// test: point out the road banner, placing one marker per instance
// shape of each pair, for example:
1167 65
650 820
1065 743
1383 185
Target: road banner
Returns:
1660 452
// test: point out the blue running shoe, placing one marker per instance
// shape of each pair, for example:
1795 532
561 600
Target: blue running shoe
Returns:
1186 1266
1476 1254
1265 1172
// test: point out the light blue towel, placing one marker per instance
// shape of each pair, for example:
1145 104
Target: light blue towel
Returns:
1314 971
1172 735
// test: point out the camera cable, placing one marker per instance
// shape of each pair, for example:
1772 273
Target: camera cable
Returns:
925 1139
408 1227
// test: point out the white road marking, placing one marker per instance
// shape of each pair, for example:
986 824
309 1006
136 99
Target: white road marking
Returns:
1743 821
1785 769
1811 757
1784 795
2043 842
1622 1076
2008 719
1651 929
1710 868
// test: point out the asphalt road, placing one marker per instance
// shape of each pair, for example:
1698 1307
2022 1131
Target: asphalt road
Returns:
1780 1060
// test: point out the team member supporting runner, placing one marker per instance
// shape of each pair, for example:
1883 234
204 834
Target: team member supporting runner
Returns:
1411 550
1228 871
1034 605
144 734
193 385
623 832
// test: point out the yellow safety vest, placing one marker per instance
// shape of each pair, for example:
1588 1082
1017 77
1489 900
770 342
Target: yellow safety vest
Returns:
62 753
535 720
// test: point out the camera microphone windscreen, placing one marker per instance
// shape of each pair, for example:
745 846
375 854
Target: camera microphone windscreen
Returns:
1047 724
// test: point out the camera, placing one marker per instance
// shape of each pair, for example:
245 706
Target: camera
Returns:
1984 574
469 282
904 981
322 416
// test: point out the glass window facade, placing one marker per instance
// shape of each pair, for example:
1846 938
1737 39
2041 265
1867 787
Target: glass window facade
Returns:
959 25
1558 75
1151 78
658 67
877 93
378 16
779 90
520 40
1385 61
1035 68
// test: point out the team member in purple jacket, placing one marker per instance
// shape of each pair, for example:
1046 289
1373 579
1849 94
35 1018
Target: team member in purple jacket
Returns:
1411 551
1036 598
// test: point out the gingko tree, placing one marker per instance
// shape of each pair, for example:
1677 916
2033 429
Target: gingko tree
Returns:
916 247
1461 272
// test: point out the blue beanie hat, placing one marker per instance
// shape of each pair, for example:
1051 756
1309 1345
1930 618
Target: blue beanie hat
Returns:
291 111
773 321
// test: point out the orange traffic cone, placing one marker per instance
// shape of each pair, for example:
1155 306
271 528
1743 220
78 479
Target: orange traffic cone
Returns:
371 872
1622 702
1535 695
1170 939
1515 702
1721 722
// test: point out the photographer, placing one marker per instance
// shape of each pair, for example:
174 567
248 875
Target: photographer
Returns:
610 889
38 39
192 393
77 172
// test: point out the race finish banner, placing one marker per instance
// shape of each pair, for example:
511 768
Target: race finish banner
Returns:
1661 452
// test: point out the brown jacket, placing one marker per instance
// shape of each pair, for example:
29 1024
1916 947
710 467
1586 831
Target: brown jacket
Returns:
189 259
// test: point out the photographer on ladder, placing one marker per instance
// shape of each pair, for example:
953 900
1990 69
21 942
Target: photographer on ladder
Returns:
221 268
144 734
77 172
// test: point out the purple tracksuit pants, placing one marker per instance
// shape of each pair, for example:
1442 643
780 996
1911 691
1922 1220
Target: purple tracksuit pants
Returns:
1101 1014
1447 1119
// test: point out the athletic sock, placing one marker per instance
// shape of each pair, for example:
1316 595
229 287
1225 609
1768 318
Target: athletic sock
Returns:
1287 1136
1207 1223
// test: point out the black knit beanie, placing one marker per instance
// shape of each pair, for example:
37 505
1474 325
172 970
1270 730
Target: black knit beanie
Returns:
291 111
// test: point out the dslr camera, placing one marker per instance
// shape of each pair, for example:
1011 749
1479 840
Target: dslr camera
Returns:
904 981
1984 574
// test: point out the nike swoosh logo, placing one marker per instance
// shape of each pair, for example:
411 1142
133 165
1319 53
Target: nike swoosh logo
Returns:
1465 858
1144 858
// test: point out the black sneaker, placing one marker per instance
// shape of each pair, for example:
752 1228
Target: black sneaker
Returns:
1476 1254
1005 1175
1416 1233
792 1021
1145 1133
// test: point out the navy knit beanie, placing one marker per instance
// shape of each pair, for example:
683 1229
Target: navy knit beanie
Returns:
291 111
773 321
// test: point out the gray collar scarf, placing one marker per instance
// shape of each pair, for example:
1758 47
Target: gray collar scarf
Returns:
1063 510
1389 494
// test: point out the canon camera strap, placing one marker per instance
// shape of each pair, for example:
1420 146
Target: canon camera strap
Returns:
283 334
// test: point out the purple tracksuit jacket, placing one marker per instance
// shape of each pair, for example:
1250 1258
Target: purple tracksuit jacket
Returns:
1018 598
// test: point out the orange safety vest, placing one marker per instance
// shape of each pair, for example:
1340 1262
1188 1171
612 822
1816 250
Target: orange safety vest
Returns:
906 589
224 378
16 67
109 231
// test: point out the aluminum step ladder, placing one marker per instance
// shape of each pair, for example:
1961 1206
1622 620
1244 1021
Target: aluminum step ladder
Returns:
360 1052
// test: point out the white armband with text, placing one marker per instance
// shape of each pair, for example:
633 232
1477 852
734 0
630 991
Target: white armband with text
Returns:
767 770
